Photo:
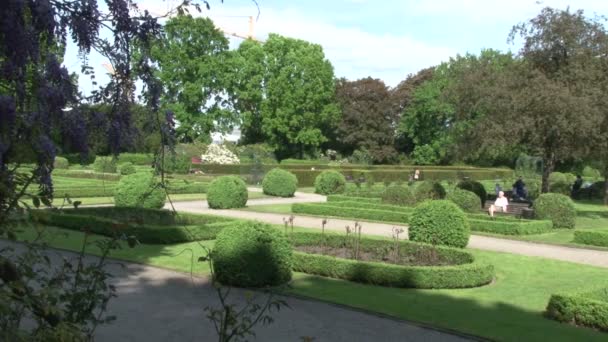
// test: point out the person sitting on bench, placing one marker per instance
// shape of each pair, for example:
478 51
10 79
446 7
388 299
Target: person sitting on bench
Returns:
500 204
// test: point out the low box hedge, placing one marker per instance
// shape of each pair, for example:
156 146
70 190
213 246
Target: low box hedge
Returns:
587 308
344 198
107 191
87 174
511 227
349 212
591 237
136 158
464 273
370 205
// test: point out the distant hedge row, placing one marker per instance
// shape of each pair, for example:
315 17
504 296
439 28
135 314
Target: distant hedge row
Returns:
586 308
463 272
108 190
591 237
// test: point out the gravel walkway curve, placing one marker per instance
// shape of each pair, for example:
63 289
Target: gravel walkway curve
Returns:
155 304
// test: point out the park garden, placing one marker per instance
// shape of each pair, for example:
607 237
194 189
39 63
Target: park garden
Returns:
365 196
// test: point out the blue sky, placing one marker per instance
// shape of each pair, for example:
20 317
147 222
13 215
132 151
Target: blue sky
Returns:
381 39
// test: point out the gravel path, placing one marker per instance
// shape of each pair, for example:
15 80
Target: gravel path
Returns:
155 304
576 255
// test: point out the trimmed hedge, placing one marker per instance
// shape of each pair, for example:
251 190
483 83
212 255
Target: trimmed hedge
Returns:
592 237
587 308
227 192
464 274
330 182
427 190
104 165
439 222
556 207
60 163
342 198
136 158
86 174
126 169
511 227
475 187
465 200
109 190
252 254
139 190
349 212
79 158
278 182
398 195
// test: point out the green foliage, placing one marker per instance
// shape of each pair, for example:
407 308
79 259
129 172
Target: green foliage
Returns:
589 172
343 198
330 182
350 212
87 174
227 192
252 254
439 222
476 188
279 182
463 271
398 195
466 200
136 158
61 163
557 208
591 237
428 190
584 308
559 183
139 190
79 158
126 168
360 157
105 165
177 163
509 227
425 155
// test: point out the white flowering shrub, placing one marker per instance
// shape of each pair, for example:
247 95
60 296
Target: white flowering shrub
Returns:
219 154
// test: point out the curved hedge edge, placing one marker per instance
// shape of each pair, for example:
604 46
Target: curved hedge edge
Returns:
591 237
429 277
345 198
337 211
515 227
579 308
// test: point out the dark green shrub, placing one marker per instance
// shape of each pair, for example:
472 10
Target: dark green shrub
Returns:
227 192
428 190
425 155
330 182
558 183
104 165
589 172
556 207
177 163
398 195
80 158
466 200
61 163
509 227
126 169
592 237
439 222
252 254
139 190
475 187
585 308
279 182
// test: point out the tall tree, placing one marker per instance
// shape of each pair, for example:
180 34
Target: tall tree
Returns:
191 60
368 121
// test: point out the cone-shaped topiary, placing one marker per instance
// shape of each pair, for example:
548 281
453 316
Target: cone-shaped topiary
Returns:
279 182
330 182
477 188
139 190
439 222
466 200
398 195
227 192
252 254
556 207
428 190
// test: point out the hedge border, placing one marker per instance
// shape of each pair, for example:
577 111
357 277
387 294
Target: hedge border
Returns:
591 237
346 198
470 274
577 308
349 212
511 227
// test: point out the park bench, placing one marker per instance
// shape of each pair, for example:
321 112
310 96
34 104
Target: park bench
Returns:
515 208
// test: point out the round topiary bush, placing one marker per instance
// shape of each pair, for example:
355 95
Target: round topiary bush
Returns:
61 163
252 254
556 207
439 223
227 192
126 169
428 190
104 164
465 199
330 182
279 182
398 195
475 187
139 190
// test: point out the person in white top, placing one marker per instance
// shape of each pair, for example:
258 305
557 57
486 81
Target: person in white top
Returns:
500 204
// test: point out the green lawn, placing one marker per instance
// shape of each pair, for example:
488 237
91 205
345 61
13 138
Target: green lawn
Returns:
508 310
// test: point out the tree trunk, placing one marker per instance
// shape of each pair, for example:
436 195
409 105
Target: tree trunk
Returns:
549 166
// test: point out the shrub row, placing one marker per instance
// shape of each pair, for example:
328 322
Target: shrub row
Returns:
511 227
108 190
344 198
466 272
591 237
357 213
145 233
586 308
86 174
136 158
